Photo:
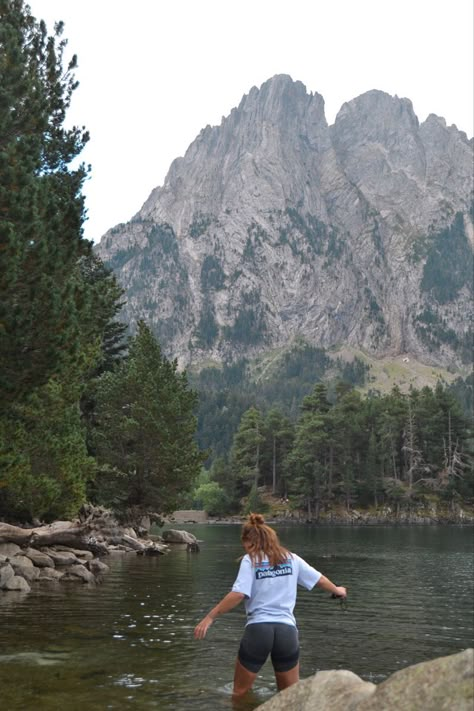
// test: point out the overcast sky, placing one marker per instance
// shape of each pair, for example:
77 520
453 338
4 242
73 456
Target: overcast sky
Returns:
153 73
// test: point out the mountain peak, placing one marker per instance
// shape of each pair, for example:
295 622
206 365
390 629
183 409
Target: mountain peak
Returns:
274 226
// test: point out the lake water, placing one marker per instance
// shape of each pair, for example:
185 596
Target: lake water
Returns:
128 644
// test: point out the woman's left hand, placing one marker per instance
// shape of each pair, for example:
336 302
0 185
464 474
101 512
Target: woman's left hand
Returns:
201 629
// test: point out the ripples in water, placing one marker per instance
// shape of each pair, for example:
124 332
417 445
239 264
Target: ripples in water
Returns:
129 644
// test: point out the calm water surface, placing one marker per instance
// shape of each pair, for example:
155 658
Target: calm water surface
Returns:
128 643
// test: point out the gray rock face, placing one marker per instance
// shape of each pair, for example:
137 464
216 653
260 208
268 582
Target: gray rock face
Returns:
442 684
275 225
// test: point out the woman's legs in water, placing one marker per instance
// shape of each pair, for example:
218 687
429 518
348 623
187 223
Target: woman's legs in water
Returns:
243 679
287 678
258 640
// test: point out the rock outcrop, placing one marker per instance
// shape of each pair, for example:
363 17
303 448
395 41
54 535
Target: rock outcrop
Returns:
444 684
276 226
40 555
174 536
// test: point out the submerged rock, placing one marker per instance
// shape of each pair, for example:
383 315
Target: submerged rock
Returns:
79 572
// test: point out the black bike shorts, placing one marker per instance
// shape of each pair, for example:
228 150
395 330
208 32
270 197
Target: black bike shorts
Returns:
263 638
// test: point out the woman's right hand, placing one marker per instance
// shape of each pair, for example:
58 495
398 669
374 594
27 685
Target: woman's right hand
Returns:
341 591
201 629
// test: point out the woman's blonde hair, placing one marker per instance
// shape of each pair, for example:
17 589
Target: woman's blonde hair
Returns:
262 540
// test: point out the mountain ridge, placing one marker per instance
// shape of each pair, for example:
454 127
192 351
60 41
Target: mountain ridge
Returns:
275 226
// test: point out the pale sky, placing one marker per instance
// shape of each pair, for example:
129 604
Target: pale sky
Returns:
153 73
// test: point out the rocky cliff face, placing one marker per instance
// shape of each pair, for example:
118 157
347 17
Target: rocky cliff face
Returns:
275 225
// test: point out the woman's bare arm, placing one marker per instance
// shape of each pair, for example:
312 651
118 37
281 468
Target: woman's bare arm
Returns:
327 585
227 603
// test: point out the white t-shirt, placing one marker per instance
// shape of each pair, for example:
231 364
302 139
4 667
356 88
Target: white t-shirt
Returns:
271 590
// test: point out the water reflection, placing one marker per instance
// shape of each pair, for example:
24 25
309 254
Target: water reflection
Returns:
128 644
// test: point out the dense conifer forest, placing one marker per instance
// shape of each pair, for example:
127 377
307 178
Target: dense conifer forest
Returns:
83 414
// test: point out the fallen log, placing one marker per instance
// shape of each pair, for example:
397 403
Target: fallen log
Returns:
64 533
14 534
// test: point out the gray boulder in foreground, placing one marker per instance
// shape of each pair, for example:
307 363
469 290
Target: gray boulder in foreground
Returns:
443 684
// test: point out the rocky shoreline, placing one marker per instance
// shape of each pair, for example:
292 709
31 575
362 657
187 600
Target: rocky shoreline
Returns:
72 551
431 516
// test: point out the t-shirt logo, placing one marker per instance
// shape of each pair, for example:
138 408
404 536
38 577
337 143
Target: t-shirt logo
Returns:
264 570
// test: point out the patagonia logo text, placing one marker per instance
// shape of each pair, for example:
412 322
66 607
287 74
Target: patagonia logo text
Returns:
275 572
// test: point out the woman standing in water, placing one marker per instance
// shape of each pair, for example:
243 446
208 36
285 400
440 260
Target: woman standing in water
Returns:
267 580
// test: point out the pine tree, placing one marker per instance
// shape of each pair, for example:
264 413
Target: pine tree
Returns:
350 438
308 459
279 432
246 448
145 428
41 205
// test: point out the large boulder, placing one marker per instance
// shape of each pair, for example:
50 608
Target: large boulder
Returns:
79 572
97 567
24 567
9 549
17 582
41 560
62 557
339 690
174 536
6 572
443 684
82 554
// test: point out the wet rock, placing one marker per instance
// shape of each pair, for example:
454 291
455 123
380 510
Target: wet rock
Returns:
6 572
156 549
96 567
79 572
175 536
133 543
17 583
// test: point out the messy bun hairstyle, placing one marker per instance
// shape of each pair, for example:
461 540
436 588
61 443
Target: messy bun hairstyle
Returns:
262 541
